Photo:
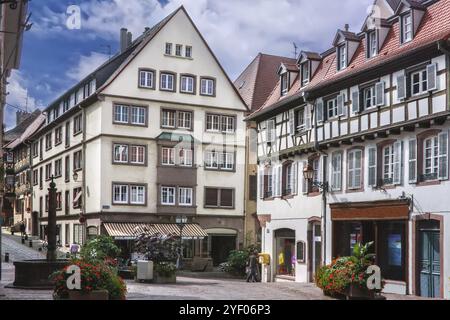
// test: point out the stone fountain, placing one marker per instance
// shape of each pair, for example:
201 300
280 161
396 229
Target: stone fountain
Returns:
34 274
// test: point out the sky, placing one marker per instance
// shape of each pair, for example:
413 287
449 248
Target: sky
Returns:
58 51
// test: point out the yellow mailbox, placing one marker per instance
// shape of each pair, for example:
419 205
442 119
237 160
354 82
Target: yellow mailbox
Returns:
264 258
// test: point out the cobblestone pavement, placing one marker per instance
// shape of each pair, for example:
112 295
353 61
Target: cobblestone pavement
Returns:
18 251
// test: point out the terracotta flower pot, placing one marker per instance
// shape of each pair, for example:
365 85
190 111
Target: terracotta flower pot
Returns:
92 295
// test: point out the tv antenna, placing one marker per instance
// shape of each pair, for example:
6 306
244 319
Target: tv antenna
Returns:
295 49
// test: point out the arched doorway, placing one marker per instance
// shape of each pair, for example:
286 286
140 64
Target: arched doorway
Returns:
284 257
220 242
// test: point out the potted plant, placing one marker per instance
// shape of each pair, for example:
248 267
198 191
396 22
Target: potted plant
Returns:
165 272
346 276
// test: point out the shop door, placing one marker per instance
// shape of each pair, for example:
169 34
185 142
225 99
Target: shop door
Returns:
317 247
221 247
429 264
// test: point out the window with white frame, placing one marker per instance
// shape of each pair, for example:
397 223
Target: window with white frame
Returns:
185 157
120 194
121 113
388 164
48 171
336 171
146 78
284 83
188 52
185 196
227 124
305 73
168 118
419 82
120 153
77 160
184 120
332 108
138 115
137 194
167 81
213 122
407 31
369 97
168 49
354 160
168 156
178 49
372 43
342 55
137 154
211 160
187 84
435 155
168 196
77 124
207 86
227 161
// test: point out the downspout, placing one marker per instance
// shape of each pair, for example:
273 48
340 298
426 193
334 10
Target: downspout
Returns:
30 170
83 165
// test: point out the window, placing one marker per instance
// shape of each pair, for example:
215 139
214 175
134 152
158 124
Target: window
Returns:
407 32
58 168
388 164
188 52
185 157
35 177
219 198
431 157
301 251
419 82
146 79
77 198
185 120
178 49
219 161
372 44
120 194
168 48
185 196
77 124
138 115
168 196
369 97
65 105
342 55
270 131
187 84
305 73
372 166
168 156
77 158
58 135
41 146
137 154
78 234
289 178
332 108
48 171
354 169
211 160
207 87
121 114
48 141
412 161
168 118
336 171
120 153
67 168
67 203
220 123
67 135
137 195
227 161
41 175
167 82
35 150
55 113
58 201
284 84
46 203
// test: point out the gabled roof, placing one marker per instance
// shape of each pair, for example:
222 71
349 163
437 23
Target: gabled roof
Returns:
410 4
347 35
257 81
18 130
29 131
307 55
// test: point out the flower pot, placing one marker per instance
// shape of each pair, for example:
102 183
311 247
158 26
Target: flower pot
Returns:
355 291
164 279
92 295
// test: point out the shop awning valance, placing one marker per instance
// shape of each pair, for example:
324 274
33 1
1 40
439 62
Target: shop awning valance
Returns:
129 231
373 210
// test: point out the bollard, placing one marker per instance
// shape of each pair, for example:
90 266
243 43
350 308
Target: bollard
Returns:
26 237
23 240
31 243
7 257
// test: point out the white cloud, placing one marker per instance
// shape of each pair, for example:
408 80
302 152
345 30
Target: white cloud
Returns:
18 97
236 30
85 65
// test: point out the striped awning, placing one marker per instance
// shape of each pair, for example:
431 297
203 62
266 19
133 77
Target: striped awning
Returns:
129 231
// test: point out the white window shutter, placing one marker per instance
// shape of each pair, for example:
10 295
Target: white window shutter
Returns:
397 162
401 86
372 166
304 182
443 156
340 104
355 101
412 161
319 110
379 93
307 112
294 177
432 76
261 183
292 122
280 180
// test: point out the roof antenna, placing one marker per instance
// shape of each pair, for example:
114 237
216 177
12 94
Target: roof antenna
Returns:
295 49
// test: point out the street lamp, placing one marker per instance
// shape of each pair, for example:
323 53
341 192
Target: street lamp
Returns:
181 221
75 176
308 174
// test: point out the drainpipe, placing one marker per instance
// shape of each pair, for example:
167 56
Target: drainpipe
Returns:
83 165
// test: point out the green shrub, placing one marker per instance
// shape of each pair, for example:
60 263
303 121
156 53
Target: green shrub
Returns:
237 260
165 269
100 248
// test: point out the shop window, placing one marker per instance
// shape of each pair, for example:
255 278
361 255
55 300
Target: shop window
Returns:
301 250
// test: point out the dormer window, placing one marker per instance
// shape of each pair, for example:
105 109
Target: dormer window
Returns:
372 44
342 57
407 28
284 84
305 73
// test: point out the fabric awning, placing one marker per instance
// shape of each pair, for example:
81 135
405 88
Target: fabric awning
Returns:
129 231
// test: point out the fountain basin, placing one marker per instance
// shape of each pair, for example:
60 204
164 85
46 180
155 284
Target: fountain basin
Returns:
34 274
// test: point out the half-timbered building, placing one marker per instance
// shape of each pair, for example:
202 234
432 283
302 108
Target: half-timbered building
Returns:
368 119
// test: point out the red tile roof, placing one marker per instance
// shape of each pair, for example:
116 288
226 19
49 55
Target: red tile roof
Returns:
435 26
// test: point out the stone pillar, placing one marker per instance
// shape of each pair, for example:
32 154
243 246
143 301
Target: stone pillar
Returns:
51 227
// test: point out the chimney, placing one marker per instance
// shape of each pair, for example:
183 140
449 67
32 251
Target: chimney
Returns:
129 39
146 29
123 39
346 27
